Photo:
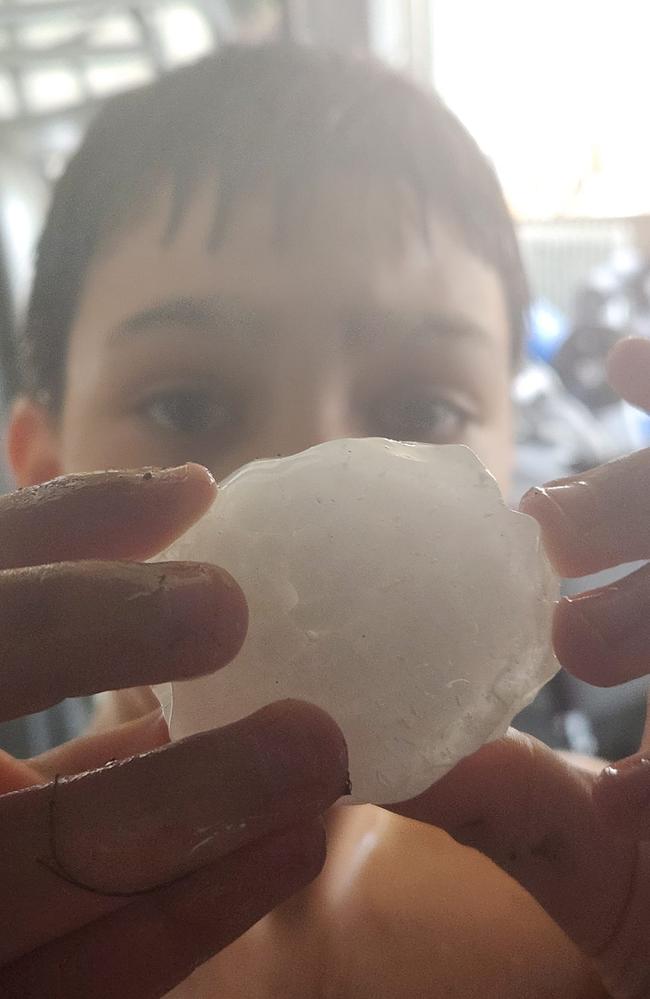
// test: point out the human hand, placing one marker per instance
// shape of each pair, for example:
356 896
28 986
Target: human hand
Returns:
121 880
578 842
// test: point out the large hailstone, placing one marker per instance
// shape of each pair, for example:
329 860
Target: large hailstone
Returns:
387 583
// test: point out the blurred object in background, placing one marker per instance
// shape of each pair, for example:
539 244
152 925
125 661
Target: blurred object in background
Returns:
616 295
401 33
613 302
561 253
23 203
556 434
581 364
548 328
340 25
590 287
60 60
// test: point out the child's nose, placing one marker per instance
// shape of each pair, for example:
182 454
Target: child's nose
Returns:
312 407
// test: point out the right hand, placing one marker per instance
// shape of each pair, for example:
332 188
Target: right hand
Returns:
579 843
121 879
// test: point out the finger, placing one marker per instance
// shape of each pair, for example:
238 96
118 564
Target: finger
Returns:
89 752
596 520
77 850
534 815
102 515
145 949
603 636
622 796
73 629
628 369
16 774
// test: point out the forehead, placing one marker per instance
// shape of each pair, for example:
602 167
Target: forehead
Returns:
354 244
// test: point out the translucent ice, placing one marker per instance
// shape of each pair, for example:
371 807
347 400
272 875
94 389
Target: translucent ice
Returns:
387 583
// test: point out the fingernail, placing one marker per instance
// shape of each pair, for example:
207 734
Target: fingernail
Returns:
558 505
573 524
180 473
172 475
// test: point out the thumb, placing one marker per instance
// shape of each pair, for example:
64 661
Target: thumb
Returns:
622 792
537 818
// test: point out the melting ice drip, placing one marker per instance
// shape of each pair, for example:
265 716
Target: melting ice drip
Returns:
387 583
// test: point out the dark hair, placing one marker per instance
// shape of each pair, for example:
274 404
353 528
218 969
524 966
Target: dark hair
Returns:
278 114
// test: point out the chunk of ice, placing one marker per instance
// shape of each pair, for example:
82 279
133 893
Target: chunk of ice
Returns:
389 584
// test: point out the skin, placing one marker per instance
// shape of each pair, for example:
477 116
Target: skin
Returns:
92 920
356 319
334 335
578 841
290 314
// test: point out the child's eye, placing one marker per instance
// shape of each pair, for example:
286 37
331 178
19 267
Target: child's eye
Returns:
424 417
192 412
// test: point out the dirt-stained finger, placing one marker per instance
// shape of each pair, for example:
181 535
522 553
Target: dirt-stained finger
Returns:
598 519
114 515
72 629
603 635
143 950
77 849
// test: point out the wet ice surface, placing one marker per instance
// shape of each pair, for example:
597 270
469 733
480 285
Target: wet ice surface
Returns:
387 583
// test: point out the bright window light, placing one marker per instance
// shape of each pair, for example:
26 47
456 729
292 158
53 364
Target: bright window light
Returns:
110 76
184 33
50 88
556 93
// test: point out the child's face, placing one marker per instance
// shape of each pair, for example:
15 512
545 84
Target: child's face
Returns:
356 326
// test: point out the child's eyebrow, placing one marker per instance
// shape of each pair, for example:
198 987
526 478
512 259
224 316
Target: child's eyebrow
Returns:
200 315
232 318
417 329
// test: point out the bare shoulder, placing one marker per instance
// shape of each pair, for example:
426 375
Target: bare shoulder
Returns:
414 913
400 909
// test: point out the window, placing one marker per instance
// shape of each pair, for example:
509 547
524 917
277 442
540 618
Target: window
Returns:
555 91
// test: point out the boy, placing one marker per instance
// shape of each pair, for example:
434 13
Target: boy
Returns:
266 250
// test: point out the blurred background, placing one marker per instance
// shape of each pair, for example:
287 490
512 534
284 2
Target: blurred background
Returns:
554 91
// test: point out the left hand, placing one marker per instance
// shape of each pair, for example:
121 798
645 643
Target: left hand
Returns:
119 879
577 841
